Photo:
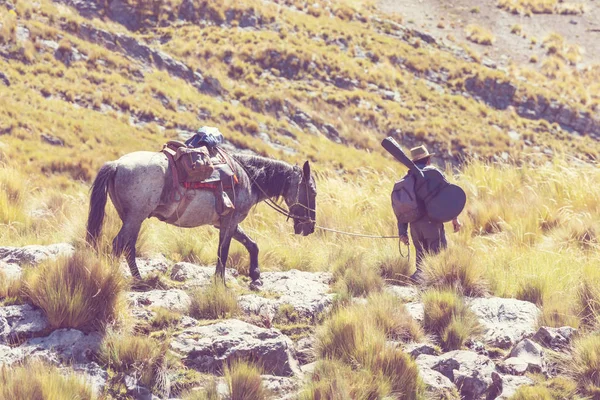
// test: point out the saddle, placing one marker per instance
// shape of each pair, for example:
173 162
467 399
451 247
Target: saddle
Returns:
202 168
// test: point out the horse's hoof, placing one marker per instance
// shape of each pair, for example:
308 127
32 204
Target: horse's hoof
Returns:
256 285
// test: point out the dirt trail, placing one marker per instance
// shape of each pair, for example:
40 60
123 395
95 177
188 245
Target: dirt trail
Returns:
443 17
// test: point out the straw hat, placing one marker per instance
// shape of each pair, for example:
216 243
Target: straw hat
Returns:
419 153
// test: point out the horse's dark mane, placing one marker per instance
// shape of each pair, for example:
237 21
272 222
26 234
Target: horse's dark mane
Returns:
271 175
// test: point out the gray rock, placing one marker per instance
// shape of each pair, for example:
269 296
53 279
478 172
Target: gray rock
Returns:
120 11
22 34
173 299
4 79
416 349
156 264
555 338
60 347
257 305
137 391
281 387
305 350
93 374
526 356
506 321
434 381
473 374
416 310
35 254
206 348
307 292
200 276
21 321
11 271
64 346
404 293
510 385
52 140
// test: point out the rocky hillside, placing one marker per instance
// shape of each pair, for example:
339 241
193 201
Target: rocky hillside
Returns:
510 310
274 327
326 80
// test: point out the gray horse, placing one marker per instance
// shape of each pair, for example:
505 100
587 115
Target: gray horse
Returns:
141 186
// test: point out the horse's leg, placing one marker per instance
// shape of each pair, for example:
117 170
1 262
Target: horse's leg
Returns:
225 235
252 248
125 242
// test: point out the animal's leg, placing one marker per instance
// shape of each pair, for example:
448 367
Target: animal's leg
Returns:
252 248
125 241
225 236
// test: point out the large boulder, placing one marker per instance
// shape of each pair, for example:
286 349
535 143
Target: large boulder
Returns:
35 253
200 276
506 321
307 292
173 299
433 380
207 348
21 322
473 374
526 356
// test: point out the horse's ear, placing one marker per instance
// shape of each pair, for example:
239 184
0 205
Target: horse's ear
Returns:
306 169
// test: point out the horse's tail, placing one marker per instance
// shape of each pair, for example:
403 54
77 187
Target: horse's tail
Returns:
98 202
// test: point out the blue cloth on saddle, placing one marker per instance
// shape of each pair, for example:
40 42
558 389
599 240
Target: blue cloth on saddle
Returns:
206 136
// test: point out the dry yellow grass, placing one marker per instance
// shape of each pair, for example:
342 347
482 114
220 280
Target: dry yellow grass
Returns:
528 7
480 35
35 380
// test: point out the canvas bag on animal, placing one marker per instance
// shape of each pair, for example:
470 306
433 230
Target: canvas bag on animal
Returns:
193 164
404 200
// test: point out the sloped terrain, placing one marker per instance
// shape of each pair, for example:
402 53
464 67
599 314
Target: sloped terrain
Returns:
510 309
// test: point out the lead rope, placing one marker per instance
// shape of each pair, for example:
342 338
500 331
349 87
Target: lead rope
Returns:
287 214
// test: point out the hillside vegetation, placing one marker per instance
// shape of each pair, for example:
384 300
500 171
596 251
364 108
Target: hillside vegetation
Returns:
294 80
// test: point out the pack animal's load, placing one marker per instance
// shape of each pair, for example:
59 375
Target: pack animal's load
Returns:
442 200
193 164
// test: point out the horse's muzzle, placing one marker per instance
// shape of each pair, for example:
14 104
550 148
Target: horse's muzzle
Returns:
304 228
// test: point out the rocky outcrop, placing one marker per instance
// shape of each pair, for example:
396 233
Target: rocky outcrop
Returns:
501 93
404 293
193 275
307 293
506 321
207 348
133 48
34 254
173 299
21 322
473 374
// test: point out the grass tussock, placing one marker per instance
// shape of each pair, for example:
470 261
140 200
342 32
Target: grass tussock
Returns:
82 291
396 270
11 290
584 366
528 7
447 316
455 268
213 302
244 381
164 318
142 356
356 336
356 275
479 35
209 392
35 380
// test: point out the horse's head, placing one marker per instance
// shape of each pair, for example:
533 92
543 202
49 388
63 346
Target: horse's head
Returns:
300 198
